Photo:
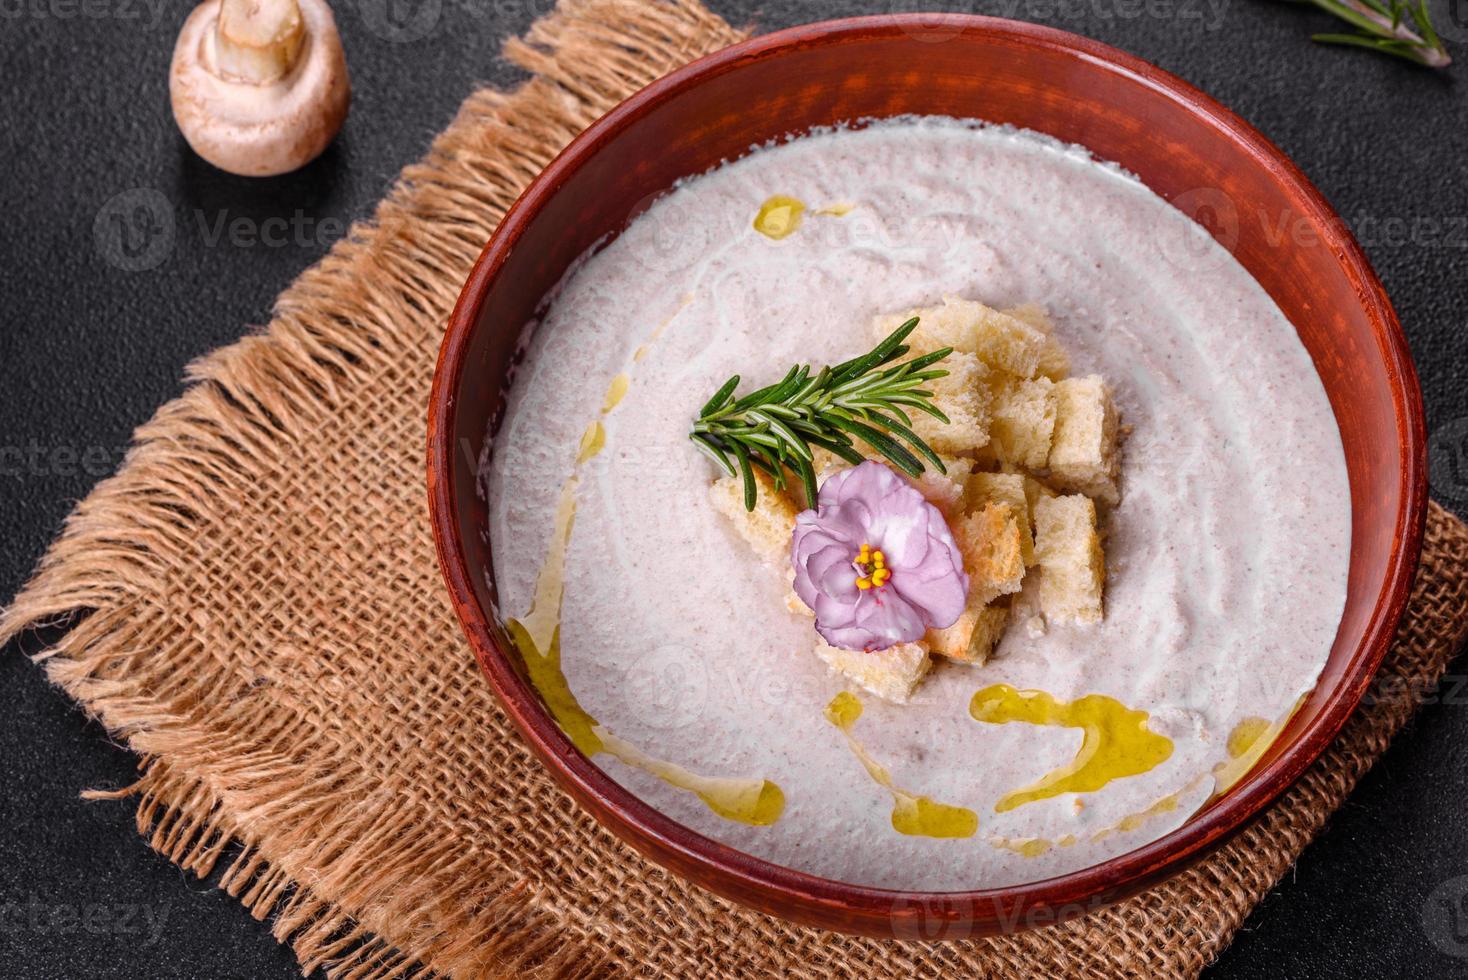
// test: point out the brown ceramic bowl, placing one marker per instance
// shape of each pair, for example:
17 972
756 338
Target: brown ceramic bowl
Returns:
1185 146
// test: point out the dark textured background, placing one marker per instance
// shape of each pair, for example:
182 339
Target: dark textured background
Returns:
89 350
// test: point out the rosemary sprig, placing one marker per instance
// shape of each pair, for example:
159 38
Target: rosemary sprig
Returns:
1397 27
777 428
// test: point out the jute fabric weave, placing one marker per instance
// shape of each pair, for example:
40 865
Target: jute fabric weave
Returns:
252 604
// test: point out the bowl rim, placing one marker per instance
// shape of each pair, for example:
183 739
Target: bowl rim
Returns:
799 894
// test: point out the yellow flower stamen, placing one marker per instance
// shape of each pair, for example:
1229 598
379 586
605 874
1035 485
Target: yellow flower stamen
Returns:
872 569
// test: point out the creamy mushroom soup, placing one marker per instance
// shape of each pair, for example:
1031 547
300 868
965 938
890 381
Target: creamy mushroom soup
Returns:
669 653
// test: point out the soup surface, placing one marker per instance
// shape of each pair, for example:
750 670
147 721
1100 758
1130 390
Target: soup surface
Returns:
666 650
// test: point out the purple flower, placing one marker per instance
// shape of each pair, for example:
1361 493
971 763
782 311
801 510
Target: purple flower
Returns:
876 562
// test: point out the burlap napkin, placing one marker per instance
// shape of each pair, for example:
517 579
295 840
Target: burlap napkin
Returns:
256 609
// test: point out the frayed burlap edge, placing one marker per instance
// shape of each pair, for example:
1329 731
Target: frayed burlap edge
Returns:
375 297
361 877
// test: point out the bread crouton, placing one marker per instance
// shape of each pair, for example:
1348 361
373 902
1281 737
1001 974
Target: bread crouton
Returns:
989 540
768 528
1054 362
1006 488
1024 607
1003 341
963 396
945 491
969 327
938 326
1083 453
973 637
890 674
1068 551
1022 417
1034 490
984 458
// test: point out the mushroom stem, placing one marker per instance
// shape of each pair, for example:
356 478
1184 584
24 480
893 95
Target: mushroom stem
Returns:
257 41
259 87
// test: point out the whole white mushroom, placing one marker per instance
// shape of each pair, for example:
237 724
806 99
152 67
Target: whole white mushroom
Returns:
259 87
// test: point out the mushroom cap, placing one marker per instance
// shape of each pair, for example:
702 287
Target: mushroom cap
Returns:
267 129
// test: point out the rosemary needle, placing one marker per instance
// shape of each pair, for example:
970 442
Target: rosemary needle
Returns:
778 428
1397 27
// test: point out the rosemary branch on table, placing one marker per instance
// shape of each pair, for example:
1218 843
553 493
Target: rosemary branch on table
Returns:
1397 27
777 428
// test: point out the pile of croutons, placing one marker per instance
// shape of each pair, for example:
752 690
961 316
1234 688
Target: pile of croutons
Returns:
1029 452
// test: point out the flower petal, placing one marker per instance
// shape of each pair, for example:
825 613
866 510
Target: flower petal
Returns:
868 482
835 524
871 504
832 572
900 533
883 618
941 600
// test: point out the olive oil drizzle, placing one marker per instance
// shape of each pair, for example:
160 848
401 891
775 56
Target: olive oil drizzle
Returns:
1036 846
652 338
757 802
1116 744
781 215
916 816
1247 743
616 391
593 441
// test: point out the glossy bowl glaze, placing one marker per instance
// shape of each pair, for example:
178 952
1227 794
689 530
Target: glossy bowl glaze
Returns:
1186 147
